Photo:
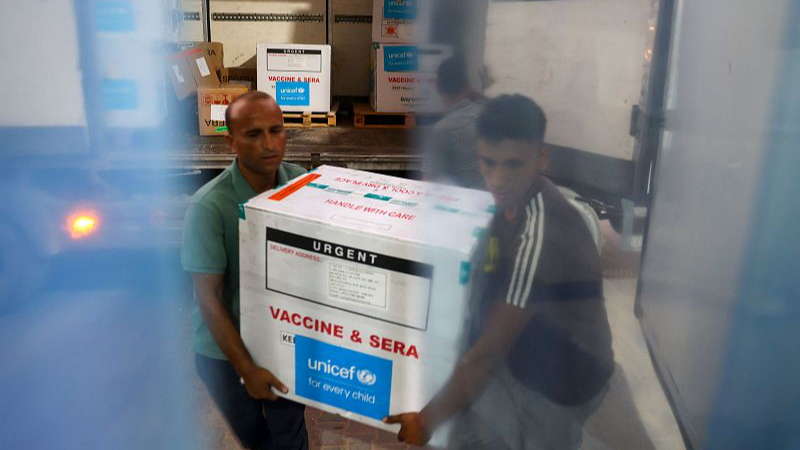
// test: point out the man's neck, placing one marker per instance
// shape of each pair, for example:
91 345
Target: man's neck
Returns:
259 183
511 211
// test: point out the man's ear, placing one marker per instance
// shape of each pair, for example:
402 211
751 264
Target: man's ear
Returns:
229 140
543 157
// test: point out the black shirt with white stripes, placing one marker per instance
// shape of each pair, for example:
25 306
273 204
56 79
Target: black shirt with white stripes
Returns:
545 258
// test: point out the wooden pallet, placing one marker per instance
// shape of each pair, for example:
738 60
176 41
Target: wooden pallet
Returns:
365 117
311 119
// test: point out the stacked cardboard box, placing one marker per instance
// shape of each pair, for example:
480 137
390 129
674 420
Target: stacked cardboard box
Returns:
212 102
404 77
245 76
195 65
353 287
400 21
197 68
402 67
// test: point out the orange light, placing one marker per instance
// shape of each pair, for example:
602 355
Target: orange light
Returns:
82 225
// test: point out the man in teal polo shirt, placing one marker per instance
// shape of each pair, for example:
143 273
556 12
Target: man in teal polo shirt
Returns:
241 389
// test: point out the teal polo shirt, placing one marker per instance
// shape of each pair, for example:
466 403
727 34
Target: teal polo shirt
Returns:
211 242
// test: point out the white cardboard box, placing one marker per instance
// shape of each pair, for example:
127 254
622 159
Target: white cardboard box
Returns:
403 77
400 21
298 76
353 294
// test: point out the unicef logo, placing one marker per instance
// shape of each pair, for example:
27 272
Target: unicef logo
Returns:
366 377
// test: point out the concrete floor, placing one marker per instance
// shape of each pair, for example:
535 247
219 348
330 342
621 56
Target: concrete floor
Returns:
634 416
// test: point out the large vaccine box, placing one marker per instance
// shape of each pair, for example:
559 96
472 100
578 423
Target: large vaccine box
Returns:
354 287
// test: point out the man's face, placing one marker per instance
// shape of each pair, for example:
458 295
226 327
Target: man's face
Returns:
258 136
510 169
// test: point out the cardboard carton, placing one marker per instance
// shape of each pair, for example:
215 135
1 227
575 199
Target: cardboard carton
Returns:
353 288
214 51
400 21
245 76
212 102
297 76
403 77
195 65
180 75
203 69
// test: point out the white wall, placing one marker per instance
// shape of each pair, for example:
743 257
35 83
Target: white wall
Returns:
583 61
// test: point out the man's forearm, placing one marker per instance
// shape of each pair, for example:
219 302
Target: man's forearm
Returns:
462 389
224 332
477 367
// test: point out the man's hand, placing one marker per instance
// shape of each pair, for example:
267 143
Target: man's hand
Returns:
259 383
414 429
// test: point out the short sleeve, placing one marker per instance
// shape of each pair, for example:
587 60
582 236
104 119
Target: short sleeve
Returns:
517 286
203 249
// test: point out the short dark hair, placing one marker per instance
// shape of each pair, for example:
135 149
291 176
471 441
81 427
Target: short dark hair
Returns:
247 96
513 117
451 77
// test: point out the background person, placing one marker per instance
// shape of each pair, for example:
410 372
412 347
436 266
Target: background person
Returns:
451 152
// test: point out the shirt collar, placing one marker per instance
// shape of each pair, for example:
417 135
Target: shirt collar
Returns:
243 189
282 177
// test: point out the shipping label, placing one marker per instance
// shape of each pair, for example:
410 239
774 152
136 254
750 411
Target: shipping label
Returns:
373 285
294 60
218 112
178 75
342 378
202 66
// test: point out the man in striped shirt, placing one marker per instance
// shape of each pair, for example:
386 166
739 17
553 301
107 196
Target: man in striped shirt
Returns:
539 353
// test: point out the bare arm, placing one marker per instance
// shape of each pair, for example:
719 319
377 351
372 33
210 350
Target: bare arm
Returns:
258 381
504 325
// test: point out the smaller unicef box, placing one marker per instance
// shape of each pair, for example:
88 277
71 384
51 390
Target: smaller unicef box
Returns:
342 378
401 21
405 77
297 76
